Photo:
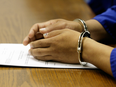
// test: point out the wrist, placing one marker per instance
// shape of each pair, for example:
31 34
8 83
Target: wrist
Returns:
80 46
86 49
77 27
81 25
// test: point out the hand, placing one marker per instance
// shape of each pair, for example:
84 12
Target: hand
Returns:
58 45
48 26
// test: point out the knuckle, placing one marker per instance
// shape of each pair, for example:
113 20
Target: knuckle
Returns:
60 19
36 24
64 23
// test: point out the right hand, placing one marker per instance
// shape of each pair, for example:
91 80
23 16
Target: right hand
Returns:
58 45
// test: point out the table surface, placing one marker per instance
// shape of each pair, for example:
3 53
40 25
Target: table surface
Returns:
16 19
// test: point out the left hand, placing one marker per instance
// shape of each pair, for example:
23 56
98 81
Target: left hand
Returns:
48 26
58 45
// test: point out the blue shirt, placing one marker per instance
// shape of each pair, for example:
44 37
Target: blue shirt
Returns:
106 15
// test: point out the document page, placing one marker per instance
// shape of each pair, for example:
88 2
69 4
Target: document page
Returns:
17 55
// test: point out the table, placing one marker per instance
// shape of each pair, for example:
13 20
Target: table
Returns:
17 17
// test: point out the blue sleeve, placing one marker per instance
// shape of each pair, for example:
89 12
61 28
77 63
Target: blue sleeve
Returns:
96 6
113 62
108 20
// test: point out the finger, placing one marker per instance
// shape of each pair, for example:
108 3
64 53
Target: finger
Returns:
26 40
44 58
52 33
38 36
39 52
55 26
35 28
47 23
42 43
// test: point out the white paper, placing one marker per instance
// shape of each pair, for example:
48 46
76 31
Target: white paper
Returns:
17 55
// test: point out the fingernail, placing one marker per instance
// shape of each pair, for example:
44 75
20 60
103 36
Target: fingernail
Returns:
29 52
31 46
42 29
45 35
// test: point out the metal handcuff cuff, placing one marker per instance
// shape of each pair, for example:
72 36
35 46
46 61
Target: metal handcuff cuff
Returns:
85 33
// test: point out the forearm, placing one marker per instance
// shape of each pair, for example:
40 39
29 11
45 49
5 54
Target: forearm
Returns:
97 54
97 31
